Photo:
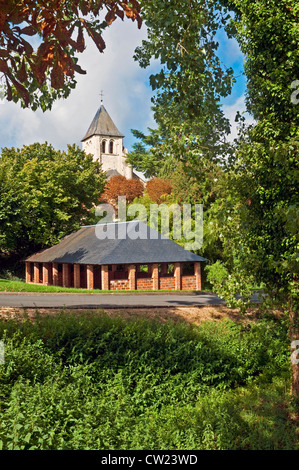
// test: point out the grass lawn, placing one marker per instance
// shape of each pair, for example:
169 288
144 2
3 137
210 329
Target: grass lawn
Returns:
7 285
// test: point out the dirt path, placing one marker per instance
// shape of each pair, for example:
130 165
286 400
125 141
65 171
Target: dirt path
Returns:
194 315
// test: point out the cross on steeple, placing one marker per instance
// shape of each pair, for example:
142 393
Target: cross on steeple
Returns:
101 95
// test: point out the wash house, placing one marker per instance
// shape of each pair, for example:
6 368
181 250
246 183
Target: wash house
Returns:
117 256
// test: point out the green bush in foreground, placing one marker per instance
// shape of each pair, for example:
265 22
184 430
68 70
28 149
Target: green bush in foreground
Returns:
93 382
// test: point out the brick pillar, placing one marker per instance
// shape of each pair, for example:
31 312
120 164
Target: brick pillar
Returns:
36 273
66 275
50 274
27 271
90 276
45 274
197 272
177 276
105 277
77 276
55 274
155 276
132 277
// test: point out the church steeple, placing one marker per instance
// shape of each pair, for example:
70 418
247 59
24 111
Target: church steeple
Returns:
104 141
102 125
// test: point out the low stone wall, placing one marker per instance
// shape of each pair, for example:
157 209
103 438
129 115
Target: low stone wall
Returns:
167 283
144 283
188 283
121 284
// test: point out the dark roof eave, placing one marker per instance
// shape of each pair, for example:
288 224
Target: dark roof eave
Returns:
84 247
106 135
202 260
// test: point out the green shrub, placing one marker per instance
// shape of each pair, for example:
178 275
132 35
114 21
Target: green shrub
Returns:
235 288
87 381
216 273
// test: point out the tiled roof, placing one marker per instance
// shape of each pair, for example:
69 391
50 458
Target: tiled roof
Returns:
85 247
102 124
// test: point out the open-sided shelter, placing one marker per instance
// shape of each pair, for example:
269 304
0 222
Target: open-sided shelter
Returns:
119 256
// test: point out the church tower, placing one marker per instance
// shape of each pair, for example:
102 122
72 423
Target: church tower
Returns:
104 141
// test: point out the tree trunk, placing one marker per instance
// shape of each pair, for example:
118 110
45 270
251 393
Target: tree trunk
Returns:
294 336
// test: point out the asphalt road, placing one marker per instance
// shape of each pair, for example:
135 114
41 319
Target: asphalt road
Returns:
39 300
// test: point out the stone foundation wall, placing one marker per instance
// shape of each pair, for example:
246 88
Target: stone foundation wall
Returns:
122 284
188 283
144 283
167 283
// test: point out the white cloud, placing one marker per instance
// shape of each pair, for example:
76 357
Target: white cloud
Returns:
230 112
126 96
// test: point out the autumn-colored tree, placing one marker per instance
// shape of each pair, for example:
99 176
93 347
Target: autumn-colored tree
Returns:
158 189
38 71
121 186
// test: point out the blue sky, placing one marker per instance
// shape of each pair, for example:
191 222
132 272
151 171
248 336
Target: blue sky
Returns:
126 94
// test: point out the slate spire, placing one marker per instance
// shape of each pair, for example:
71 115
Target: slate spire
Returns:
102 124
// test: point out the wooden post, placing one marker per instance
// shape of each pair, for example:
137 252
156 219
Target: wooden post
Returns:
90 277
55 274
105 277
45 274
28 271
155 276
77 276
36 273
177 276
65 275
132 277
197 272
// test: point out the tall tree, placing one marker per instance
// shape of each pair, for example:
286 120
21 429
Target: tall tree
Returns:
39 41
190 122
45 194
266 160
263 179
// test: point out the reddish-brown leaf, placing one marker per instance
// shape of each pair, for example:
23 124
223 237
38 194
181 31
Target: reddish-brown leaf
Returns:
66 64
21 90
3 66
57 77
39 70
78 69
28 30
9 92
110 17
2 20
132 13
22 74
84 8
120 13
47 27
64 36
80 40
34 19
96 37
46 52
